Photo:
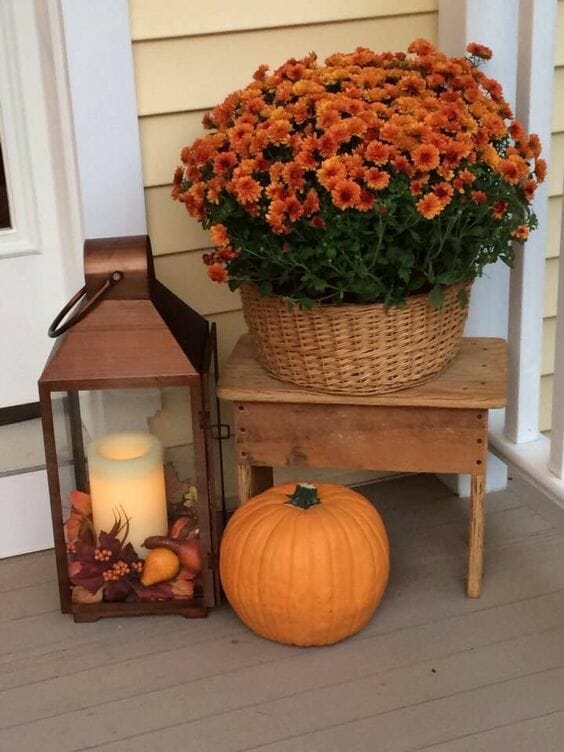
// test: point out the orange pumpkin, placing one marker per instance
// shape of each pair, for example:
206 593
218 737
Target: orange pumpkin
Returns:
305 565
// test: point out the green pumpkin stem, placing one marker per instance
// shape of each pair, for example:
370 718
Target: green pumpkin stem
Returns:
304 497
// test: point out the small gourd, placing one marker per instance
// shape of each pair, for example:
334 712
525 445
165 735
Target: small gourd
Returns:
305 565
161 565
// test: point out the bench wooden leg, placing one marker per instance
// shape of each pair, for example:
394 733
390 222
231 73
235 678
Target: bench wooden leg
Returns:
476 536
253 480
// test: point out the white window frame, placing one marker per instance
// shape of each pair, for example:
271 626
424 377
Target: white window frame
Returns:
23 236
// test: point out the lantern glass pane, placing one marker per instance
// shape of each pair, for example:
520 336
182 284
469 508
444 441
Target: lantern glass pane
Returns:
131 492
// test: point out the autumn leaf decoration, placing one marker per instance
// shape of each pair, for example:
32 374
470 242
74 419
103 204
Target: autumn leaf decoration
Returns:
79 524
106 567
112 564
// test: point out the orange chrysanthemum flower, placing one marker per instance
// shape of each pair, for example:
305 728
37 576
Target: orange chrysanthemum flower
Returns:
345 194
293 174
429 206
202 151
355 126
354 164
513 169
467 177
391 132
247 189
522 232
443 191
529 188
311 203
534 145
278 131
479 197
327 145
277 190
402 164
540 170
340 132
426 157
191 175
479 50
412 85
416 186
306 159
194 201
219 235
493 86
332 170
217 272
377 152
499 209
227 254
366 201
421 47
453 154
516 131
240 133
224 161
215 186
275 216
327 117
252 208
490 156
293 208
376 179
245 167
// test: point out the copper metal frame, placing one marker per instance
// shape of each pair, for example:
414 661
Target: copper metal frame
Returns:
145 300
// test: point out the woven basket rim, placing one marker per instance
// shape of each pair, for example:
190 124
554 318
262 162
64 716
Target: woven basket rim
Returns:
414 299
365 348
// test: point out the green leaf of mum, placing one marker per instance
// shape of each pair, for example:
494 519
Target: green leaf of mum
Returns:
463 297
437 296
265 289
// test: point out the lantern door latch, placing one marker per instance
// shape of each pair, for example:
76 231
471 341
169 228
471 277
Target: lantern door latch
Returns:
219 431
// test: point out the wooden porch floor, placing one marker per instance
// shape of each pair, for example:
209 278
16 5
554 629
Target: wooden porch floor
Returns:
433 670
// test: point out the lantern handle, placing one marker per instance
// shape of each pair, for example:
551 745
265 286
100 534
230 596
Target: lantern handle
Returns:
56 328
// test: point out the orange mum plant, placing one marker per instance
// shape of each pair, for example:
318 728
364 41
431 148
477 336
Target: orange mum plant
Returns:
365 179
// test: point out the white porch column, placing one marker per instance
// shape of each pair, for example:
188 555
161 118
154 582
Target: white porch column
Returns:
494 23
534 109
102 92
556 461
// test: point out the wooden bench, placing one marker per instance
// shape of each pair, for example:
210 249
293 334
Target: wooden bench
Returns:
439 427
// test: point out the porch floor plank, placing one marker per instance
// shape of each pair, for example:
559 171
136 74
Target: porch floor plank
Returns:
432 671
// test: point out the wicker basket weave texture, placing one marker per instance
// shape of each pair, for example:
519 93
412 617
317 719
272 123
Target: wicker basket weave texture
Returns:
355 349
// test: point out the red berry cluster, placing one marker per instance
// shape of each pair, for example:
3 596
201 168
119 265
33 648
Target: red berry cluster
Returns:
119 569
102 554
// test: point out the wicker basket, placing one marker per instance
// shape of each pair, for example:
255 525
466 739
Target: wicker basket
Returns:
355 349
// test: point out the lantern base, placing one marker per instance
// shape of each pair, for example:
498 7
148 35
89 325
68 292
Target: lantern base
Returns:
190 609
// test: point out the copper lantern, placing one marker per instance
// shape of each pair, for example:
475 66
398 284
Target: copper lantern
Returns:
130 425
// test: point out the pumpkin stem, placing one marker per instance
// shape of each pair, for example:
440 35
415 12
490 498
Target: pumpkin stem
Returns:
304 497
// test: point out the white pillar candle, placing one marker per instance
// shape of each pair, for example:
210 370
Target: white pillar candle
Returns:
127 478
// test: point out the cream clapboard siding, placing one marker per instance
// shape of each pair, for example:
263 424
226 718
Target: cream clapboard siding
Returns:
188 56
555 177
189 18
